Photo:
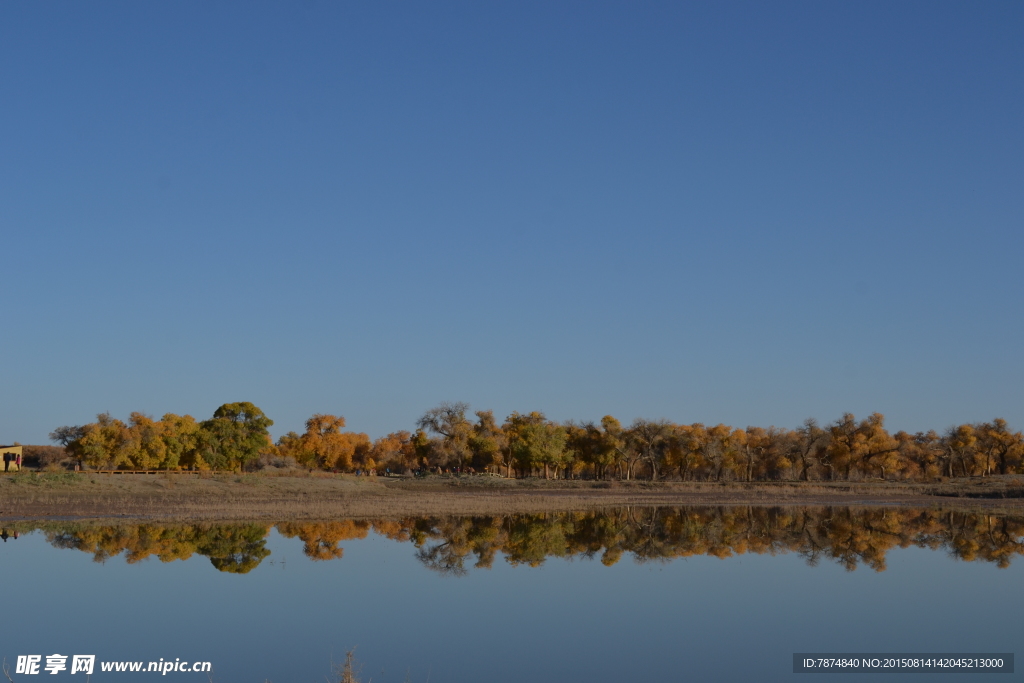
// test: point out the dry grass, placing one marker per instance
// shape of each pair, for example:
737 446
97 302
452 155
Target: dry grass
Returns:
325 496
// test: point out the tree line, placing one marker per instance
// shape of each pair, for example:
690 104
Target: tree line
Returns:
449 438
232 438
850 537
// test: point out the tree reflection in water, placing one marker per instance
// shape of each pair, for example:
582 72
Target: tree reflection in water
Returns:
235 548
452 545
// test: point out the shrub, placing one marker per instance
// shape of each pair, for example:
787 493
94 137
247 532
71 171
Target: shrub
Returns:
43 457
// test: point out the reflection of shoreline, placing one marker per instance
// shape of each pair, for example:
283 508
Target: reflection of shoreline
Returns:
273 498
451 545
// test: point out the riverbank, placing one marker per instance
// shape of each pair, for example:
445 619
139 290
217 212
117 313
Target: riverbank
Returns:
194 497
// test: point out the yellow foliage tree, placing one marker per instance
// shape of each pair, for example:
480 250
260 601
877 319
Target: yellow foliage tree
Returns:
326 446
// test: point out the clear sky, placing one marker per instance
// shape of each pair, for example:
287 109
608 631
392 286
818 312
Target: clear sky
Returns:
750 213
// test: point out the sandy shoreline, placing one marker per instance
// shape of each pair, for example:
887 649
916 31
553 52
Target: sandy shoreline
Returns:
261 497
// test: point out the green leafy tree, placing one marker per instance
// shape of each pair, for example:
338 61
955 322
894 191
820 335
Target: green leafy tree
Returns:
180 434
539 443
235 435
513 429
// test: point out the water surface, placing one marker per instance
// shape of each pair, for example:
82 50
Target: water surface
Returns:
627 594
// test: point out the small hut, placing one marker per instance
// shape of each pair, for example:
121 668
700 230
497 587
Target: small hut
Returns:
12 458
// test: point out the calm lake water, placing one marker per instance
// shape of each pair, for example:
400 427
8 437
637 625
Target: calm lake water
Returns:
636 594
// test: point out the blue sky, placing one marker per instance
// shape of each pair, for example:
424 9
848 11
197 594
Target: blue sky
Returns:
749 213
